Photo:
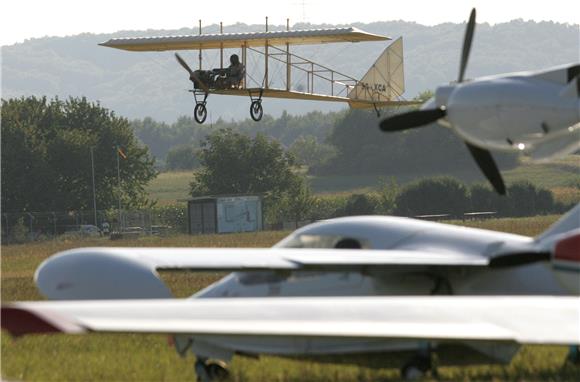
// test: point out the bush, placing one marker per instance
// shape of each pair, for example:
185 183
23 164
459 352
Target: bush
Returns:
174 216
525 199
484 199
359 204
19 233
443 195
387 196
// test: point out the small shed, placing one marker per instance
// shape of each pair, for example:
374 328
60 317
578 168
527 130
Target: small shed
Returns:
224 214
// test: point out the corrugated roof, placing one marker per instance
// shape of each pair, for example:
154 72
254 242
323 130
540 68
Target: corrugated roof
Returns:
236 40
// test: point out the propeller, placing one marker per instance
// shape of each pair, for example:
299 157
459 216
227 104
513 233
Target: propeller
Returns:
412 119
420 118
487 165
192 76
466 45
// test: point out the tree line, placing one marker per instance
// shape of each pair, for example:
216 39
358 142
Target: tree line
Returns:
46 157
46 165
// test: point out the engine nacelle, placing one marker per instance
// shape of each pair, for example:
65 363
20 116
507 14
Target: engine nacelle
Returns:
82 274
511 113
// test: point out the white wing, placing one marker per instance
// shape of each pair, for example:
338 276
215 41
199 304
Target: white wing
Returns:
538 320
247 259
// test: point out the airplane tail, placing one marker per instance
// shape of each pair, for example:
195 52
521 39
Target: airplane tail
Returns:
562 240
567 223
384 81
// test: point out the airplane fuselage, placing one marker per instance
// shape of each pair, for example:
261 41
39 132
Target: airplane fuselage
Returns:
380 233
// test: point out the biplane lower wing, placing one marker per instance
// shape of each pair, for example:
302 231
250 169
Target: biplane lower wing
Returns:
279 93
291 94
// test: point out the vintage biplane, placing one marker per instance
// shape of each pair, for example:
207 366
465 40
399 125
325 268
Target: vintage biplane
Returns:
270 70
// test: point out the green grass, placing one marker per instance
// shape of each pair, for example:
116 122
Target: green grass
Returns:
169 187
128 357
561 173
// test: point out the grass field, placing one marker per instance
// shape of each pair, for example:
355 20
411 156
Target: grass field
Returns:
168 187
561 176
104 357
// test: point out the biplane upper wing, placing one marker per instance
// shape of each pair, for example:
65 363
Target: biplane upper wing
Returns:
236 40
537 319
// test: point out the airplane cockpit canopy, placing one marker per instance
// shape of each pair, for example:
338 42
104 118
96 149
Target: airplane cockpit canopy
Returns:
324 241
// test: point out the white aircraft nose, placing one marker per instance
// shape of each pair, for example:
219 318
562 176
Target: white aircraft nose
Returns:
93 273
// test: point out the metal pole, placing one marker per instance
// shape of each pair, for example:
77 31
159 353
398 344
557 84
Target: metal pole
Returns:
119 188
7 229
288 69
200 49
266 58
221 47
31 229
54 222
94 192
244 53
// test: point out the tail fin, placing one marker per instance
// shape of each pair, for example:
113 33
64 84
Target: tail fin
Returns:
385 80
563 241
569 222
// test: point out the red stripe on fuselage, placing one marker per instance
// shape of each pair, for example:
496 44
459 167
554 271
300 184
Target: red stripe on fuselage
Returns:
568 249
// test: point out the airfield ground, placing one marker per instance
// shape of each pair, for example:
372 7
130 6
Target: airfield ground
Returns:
100 357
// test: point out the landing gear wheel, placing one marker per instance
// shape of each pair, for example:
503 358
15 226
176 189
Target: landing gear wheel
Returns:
200 113
211 370
200 371
256 110
416 368
217 370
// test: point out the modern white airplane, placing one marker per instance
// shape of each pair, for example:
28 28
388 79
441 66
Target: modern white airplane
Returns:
375 287
534 112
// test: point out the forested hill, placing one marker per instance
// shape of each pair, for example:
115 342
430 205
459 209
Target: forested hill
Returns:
137 85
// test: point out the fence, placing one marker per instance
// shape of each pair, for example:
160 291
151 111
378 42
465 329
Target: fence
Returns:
30 226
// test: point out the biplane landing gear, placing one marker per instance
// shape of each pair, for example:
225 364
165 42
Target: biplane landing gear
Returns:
209 370
200 110
256 110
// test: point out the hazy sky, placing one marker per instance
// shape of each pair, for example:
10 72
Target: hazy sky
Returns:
23 19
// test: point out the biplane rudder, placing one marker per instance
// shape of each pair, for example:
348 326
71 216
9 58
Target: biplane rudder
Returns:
385 79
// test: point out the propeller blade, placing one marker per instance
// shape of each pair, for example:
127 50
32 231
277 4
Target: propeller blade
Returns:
467 45
411 119
488 167
183 63
192 76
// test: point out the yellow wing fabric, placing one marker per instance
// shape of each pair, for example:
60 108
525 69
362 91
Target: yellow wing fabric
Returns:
236 40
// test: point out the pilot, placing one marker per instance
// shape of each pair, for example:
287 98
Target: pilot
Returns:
235 73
